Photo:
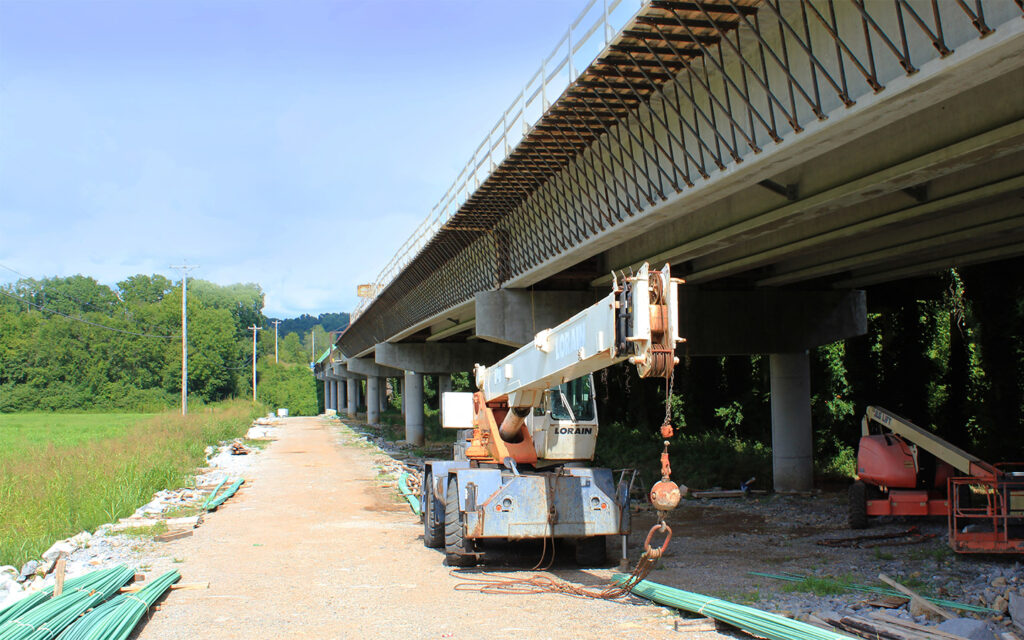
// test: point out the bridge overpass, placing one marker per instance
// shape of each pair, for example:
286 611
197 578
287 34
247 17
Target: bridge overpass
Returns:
780 154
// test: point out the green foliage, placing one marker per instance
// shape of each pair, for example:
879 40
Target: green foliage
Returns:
51 362
304 323
287 385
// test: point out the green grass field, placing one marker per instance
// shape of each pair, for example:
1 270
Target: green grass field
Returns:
64 473
19 431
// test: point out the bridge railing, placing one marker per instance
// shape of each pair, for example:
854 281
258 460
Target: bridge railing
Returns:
587 36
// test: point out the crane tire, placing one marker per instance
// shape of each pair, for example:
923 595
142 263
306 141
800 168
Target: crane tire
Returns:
433 525
858 505
458 549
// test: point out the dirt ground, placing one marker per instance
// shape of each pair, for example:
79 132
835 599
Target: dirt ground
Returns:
315 547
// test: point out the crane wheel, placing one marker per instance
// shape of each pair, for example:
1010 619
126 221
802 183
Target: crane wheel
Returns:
433 515
858 505
458 549
591 551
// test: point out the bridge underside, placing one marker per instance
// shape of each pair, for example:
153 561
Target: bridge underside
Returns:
763 149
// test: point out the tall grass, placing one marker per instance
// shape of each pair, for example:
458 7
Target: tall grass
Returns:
52 491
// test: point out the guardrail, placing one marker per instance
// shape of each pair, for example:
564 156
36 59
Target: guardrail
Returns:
583 41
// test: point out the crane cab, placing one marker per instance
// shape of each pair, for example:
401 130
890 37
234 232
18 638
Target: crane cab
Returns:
564 427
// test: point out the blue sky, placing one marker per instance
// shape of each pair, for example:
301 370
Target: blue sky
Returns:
295 144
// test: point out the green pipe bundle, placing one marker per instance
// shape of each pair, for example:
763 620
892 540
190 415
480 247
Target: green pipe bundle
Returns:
949 604
749 619
403 486
215 500
116 618
48 618
21 606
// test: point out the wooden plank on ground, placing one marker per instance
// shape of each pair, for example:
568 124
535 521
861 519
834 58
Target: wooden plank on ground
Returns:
173 535
181 586
916 598
58 587
931 631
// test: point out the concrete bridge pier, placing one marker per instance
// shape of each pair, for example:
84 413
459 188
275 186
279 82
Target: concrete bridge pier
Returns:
372 400
382 392
792 439
435 358
413 391
340 395
444 384
352 394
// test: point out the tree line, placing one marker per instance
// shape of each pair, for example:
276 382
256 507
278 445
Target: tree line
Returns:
72 343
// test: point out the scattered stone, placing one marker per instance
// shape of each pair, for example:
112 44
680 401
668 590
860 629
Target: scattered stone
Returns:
57 550
1016 610
968 628
999 582
1000 604
28 570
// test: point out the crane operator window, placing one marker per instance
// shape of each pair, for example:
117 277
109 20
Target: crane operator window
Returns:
579 397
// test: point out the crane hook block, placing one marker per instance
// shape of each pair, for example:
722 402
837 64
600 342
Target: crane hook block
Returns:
665 495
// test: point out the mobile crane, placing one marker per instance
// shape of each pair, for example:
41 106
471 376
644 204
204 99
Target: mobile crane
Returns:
518 469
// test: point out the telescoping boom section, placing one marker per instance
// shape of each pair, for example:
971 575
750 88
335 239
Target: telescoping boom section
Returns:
636 322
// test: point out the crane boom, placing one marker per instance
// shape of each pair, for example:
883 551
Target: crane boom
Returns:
637 321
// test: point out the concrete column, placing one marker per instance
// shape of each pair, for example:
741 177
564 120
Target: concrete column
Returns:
327 394
444 383
792 440
332 394
352 394
412 398
382 391
372 400
340 395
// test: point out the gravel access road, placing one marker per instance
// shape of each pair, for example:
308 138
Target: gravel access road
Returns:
317 546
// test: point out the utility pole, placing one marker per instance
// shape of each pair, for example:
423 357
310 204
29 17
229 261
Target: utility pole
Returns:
185 268
254 329
276 322
312 351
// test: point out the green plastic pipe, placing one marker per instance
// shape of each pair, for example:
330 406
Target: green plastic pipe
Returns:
403 486
116 618
749 619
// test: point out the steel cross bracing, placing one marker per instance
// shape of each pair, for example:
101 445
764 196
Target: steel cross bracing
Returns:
683 92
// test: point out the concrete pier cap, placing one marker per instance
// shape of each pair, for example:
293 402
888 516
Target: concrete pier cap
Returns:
784 324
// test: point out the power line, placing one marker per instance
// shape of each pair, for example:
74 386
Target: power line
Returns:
89 322
39 291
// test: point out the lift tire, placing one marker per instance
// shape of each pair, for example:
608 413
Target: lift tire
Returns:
858 505
433 516
458 549
591 551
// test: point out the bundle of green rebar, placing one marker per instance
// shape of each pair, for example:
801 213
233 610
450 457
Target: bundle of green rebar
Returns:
216 500
749 619
48 617
949 604
116 618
